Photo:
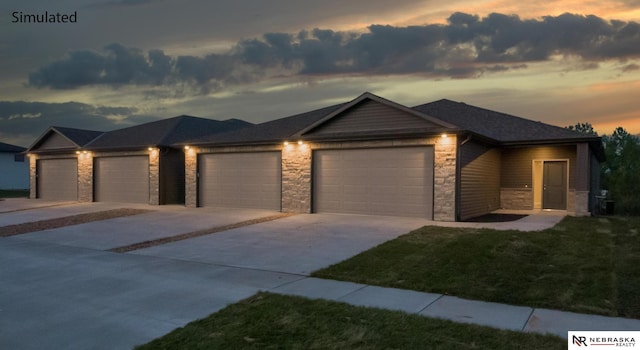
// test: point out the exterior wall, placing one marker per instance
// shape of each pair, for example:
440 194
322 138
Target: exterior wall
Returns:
516 199
85 177
479 180
296 171
15 175
172 167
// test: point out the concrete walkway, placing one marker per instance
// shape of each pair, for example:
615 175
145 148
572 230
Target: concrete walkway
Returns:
501 316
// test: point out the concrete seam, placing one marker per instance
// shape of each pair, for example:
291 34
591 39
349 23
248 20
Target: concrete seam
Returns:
528 319
431 303
359 289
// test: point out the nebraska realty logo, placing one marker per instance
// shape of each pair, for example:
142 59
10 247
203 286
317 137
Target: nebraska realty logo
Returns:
603 340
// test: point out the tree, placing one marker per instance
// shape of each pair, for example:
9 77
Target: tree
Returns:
620 173
583 128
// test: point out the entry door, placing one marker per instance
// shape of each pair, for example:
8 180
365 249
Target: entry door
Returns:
554 190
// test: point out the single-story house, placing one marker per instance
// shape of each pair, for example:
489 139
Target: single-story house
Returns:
442 160
134 164
15 170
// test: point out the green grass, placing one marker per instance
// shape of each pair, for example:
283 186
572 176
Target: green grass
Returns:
270 321
14 193
587 265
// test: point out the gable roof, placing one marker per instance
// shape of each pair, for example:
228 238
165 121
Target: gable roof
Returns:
8 148
163 132
498 126
75 138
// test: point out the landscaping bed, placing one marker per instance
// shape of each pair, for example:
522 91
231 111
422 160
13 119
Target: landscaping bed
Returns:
18 229
587 265
271 321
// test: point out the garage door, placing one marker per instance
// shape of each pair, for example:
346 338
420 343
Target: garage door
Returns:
383 181
121 179
240 180
57 179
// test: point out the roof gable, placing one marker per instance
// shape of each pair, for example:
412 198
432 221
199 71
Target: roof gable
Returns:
58 138
371 113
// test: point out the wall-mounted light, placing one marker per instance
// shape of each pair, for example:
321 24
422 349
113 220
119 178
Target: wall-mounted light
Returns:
150 149
187 147
300 142
444 136
286 143
77 152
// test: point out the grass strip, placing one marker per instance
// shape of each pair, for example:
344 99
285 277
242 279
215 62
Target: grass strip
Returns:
193 234
272 321
14 194
586 265
41 225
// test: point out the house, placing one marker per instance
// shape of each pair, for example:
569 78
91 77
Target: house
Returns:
14 170
134 164
443 160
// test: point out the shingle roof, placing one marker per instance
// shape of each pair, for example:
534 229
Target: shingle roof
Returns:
164 132
275 130
498 126
78 136
8 148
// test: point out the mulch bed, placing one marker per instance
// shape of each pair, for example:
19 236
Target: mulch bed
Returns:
19 229
180 237
497 218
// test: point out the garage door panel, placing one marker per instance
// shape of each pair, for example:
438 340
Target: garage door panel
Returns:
240 180
57 179
122 179
385 181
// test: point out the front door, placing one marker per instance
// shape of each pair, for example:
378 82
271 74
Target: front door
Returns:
554 189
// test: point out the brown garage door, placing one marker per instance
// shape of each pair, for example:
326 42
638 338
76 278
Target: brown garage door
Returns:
121 179
240 180
381 181
57 179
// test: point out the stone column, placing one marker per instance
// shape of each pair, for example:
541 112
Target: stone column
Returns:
154 176
33 181
85 177
191 177
296 178
444 178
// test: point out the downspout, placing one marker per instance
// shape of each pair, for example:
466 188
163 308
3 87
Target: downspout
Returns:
458 174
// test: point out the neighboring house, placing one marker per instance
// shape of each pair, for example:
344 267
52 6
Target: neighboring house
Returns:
14 169
444 160
135 164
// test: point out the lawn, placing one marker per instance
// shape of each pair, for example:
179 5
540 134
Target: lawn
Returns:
14 193
587 265
271 321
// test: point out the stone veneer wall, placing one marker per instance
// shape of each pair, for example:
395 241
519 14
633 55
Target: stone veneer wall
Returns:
85 177
296 178
516 198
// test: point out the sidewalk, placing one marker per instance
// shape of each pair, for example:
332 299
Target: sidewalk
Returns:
502 316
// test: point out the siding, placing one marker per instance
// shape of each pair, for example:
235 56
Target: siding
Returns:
172 177
517 164
55 141
479 180
371 116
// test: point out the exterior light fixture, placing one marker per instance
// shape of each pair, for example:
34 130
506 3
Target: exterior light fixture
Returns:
150 149
300 142
85 152
286 143
186 147
77 152
444 136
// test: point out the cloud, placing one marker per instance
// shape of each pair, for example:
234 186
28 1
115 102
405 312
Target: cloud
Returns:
22 122
467 46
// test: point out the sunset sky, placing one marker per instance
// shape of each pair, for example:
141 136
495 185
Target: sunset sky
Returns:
126 62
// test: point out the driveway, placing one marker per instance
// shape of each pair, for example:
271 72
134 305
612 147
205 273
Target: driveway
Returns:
61 290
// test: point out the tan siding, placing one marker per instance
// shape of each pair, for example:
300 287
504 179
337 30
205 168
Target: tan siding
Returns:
55 141
369 116
480 180
517 164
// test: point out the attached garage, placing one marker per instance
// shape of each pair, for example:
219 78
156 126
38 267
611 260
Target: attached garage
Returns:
377 181
121 179
240 180
57 179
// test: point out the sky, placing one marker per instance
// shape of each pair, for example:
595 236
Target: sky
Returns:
126 62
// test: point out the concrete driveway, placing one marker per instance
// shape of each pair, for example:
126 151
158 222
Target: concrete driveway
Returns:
60 290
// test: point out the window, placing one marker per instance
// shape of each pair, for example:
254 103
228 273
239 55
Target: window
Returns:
18 158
